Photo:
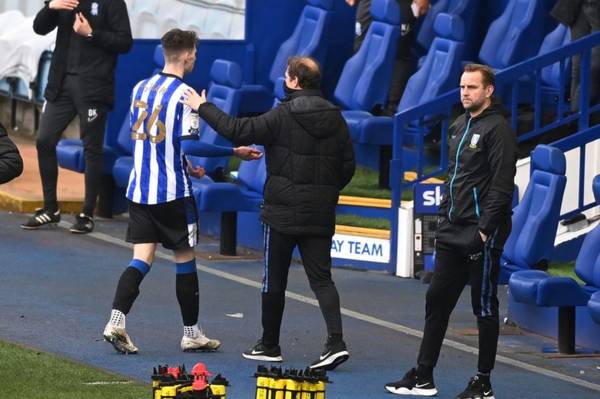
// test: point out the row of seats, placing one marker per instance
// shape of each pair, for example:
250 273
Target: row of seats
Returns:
223 19
27 7
538 288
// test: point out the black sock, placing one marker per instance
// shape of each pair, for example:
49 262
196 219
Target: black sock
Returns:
425 372
186 286
129 285
484 377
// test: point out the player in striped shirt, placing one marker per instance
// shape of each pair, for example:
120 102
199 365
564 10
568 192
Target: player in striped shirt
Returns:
161 205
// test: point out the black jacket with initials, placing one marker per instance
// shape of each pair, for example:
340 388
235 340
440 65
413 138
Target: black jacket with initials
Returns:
309 159
481 170
97 57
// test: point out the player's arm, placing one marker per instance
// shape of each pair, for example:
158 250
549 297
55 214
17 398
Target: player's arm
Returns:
117 37
260 129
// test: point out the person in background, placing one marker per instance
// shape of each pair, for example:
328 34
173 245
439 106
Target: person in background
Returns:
91 34
404 65
583 18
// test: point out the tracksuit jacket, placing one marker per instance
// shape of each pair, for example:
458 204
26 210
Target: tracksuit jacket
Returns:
97 56
482 165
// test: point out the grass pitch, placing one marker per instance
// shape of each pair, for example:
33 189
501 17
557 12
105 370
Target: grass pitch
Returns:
31 374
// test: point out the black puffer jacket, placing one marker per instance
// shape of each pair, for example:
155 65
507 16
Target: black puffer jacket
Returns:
97 58
309 159
481 170
11 163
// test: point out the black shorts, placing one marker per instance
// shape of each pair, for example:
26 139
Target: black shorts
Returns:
174 224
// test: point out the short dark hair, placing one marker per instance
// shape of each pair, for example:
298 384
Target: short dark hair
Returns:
487 74
307 70
176 41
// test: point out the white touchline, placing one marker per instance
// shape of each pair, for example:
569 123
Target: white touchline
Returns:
361 316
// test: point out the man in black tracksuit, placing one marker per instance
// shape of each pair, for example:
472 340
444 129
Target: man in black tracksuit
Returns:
91 33
309 160
473 225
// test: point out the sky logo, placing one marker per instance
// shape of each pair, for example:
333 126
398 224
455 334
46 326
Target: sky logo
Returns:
428 198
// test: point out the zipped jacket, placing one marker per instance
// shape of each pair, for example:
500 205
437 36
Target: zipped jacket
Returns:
96 59
481 170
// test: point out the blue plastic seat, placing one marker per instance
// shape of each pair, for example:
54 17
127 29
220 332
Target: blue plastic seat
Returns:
535 219
310 38
366 76
224 92
538 288
463 9
440 73
515 35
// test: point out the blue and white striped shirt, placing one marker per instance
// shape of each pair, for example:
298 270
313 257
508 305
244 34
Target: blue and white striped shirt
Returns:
159 121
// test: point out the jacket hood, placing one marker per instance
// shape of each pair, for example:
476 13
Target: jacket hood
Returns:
316 115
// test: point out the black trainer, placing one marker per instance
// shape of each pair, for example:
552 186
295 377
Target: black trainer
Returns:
412 384
263 353
83 224
478 388
40 218
335 353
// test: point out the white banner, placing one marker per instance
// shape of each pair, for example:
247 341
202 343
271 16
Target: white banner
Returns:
360 248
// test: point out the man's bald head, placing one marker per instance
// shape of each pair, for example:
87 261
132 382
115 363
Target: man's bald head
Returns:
306 70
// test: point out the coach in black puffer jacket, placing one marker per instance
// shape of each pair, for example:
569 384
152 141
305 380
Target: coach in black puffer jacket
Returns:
309 160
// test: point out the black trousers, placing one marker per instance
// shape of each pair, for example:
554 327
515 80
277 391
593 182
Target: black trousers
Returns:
56 116
316 258
587 22
461 257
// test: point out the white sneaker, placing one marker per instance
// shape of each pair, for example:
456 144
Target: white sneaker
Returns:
119 339
199 343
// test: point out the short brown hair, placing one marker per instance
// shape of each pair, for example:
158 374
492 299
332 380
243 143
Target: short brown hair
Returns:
487 74
176 41
307 70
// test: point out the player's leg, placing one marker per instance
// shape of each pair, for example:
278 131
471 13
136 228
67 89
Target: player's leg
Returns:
186 287
127 291
142 233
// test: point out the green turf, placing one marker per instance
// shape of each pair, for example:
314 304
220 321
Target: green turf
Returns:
566 269
357 221
30 374
365 183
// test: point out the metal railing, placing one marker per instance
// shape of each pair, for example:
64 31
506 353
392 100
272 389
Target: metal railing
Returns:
512 84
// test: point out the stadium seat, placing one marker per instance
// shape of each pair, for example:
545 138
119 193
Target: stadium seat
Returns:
440 72
223 91
143 16
514 36
365 79
310 38
171 14
245 195
464 9
538 288
535 219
